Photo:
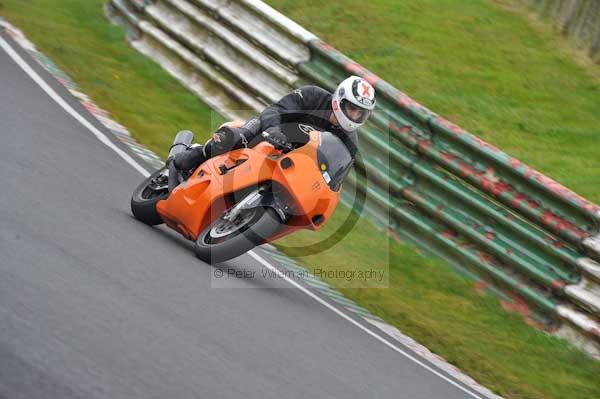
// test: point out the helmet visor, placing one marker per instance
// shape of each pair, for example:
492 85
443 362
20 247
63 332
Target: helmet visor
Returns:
355 113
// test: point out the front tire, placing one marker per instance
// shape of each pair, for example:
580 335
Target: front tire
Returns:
145 198
219 242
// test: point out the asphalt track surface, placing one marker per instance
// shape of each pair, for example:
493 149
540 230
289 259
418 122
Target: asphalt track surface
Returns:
94 304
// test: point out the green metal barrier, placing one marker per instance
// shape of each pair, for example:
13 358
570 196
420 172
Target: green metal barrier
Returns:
469 201
520 187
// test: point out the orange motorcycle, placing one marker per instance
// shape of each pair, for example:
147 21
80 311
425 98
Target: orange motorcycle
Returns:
246 197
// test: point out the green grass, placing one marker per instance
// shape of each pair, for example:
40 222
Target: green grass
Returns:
482 65
425 298
138 93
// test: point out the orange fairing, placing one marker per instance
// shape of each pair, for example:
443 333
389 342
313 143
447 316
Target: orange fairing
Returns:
195 203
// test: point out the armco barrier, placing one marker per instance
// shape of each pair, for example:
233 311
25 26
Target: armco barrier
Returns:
434 183
231 56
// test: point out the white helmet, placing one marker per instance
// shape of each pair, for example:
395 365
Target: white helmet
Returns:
352 102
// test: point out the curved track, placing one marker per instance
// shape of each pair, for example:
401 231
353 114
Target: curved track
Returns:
94 304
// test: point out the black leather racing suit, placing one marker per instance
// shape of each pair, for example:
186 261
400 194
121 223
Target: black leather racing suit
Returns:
310 105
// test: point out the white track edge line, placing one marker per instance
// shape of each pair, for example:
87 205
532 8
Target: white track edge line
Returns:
60 101
357 324
102 137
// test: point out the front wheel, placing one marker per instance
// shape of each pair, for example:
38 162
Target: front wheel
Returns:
226 239
147 194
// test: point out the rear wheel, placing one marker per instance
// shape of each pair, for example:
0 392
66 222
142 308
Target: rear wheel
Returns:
147 194
226 239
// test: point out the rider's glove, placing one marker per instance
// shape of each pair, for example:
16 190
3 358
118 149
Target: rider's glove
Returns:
276 137
223 139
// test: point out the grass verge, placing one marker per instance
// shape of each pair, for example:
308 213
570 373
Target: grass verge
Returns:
425 299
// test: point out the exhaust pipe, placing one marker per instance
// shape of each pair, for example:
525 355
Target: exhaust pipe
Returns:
182 141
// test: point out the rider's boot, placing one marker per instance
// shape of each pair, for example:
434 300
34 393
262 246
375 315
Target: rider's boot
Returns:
223 140
190 158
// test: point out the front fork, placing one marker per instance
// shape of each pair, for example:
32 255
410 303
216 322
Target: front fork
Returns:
261 197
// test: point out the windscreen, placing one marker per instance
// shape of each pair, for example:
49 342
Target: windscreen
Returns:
334 160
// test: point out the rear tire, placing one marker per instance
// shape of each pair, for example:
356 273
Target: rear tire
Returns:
144 199
262 225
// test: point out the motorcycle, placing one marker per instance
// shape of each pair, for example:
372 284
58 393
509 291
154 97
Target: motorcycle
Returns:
246 197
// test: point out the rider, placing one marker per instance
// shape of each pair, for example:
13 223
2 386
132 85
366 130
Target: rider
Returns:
340 113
